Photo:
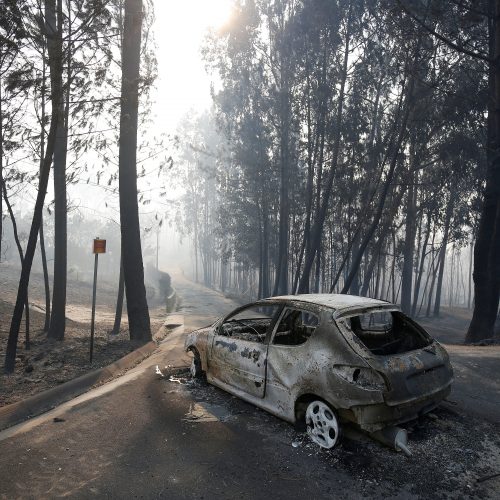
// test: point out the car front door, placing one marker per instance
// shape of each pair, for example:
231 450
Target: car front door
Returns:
239 348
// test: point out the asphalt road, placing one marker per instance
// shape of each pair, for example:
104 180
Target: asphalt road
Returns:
148 436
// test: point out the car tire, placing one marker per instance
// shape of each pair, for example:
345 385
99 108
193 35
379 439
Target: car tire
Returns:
195 368
322 424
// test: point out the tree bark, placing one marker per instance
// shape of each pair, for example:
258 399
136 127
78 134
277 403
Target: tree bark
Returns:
21 259
416 290
119 302
1 164
487 246
442 256
137 306
54 45
41 232
409 243
58 315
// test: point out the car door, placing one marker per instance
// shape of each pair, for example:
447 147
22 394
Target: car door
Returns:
239 348
291 364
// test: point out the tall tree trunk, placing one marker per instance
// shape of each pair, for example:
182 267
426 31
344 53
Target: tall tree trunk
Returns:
119 302
265 248
281 285
58 315
54 45
487 247
1 164
469 293
21 259
133 269
418 281
46 284
409 243
442 255
41 232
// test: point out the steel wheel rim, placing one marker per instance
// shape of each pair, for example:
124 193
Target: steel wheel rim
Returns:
322 425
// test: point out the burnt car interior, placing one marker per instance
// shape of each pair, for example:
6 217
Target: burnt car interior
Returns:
295 327
388 332
250 324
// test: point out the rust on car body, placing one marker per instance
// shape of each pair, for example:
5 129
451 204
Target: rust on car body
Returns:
328 347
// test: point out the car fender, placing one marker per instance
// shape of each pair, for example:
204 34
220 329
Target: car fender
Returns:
199 340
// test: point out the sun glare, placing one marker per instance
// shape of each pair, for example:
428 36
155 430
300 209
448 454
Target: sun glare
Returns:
180 28
215 13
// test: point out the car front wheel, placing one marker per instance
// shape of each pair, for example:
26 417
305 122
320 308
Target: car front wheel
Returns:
322 424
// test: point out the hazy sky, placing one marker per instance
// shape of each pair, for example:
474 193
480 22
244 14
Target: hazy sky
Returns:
182 81
182 85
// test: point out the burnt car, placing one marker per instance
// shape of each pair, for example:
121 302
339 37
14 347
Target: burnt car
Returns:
323 359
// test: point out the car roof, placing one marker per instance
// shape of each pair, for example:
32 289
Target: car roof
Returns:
336 301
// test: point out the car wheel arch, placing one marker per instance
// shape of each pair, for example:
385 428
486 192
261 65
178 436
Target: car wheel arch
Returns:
301 404
193 349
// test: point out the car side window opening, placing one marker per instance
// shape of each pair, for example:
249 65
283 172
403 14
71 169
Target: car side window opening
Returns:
295 327
251 324
387 332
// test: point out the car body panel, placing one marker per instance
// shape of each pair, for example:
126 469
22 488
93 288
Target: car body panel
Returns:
239 363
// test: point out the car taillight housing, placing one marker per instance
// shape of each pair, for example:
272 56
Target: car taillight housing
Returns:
363 377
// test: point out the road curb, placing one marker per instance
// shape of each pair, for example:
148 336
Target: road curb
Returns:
16 413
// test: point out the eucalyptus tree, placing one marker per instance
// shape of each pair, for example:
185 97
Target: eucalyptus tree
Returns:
133 270
54 47
473 30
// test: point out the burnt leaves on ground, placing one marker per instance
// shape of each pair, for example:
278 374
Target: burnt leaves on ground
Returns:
453 454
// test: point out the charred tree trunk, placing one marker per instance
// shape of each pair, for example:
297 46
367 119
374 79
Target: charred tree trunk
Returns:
41 232
54 45
281 285
469 293
409 243
1 164
133 269
442 256
265 249
119 302
487 247
58 315
416 290
21 259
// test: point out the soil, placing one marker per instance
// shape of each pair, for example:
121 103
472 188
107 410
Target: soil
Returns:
48 363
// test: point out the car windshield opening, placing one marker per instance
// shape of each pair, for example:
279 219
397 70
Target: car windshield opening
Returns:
250 324
387 332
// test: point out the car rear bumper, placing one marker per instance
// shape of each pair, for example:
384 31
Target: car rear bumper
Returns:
374 417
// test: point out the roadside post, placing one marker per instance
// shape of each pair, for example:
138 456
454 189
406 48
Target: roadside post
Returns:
98 247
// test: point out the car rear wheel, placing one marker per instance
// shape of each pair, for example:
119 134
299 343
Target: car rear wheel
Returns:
322 424
195 369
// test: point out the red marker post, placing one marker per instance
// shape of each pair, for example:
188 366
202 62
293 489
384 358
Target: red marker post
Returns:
98 247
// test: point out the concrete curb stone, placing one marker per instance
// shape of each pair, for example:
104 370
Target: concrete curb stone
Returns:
16 413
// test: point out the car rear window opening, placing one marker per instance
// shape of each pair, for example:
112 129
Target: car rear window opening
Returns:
387 332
